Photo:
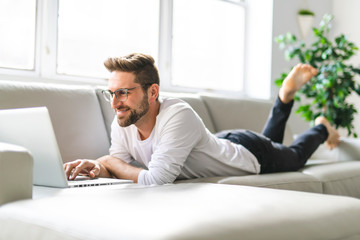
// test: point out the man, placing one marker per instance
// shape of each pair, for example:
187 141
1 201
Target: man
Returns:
170 139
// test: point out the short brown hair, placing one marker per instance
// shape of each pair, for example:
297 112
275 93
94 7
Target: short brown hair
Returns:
142 65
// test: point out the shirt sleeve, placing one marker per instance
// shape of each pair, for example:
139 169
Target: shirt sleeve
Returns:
177 138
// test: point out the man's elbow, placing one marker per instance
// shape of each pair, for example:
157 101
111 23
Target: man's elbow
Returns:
146 177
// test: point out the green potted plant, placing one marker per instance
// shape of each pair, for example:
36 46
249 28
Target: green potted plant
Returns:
305 19
327 93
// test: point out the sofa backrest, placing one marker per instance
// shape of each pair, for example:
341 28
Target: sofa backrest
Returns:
74 110
230 113
107 112
82 118
236 113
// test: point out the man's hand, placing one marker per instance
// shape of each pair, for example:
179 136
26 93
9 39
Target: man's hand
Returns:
105 167
82 166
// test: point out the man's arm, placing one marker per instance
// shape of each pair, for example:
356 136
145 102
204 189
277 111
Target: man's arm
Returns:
119 169
106 166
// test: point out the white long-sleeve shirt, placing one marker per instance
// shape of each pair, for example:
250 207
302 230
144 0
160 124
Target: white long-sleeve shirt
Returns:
180 147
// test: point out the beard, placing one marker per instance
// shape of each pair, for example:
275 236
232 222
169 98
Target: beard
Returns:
135 114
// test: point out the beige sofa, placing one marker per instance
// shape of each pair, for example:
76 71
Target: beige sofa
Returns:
81 120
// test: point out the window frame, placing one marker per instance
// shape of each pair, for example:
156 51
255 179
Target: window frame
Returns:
9 72
45 62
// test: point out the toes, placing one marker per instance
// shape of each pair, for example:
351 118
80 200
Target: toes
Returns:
333 140
314 71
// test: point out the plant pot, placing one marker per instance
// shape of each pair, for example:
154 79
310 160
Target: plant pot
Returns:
305 23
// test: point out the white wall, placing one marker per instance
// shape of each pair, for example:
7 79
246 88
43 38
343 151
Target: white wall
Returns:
346 21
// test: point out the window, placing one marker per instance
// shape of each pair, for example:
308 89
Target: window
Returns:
18 31
89 31
208 44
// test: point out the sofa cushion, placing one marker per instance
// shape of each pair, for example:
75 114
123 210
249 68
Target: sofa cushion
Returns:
182 211
74 110
231 113
16 173
338 178
347 150
287 181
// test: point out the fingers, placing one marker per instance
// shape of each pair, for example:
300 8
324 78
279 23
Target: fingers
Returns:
69 167
95 172
89 167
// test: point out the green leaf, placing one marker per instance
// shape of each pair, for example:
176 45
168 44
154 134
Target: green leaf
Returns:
303 108
308 56
278 82
290 38
316 32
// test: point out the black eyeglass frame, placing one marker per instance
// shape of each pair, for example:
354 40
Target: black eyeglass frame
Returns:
109 95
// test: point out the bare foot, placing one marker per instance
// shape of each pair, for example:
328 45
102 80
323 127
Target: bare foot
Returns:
334 138
298 77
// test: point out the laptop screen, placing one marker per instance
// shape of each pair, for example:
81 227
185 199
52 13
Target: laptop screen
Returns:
32 128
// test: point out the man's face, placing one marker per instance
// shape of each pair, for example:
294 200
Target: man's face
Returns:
136 105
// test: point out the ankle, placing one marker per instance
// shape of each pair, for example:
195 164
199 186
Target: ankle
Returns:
285 95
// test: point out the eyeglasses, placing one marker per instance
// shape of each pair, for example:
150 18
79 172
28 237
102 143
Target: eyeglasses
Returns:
121 94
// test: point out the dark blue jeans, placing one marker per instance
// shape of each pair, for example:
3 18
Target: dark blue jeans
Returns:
267 147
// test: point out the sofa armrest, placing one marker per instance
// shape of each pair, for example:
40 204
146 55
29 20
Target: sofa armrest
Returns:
348 150
16 173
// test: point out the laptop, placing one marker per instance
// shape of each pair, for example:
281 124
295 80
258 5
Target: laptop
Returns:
32 128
